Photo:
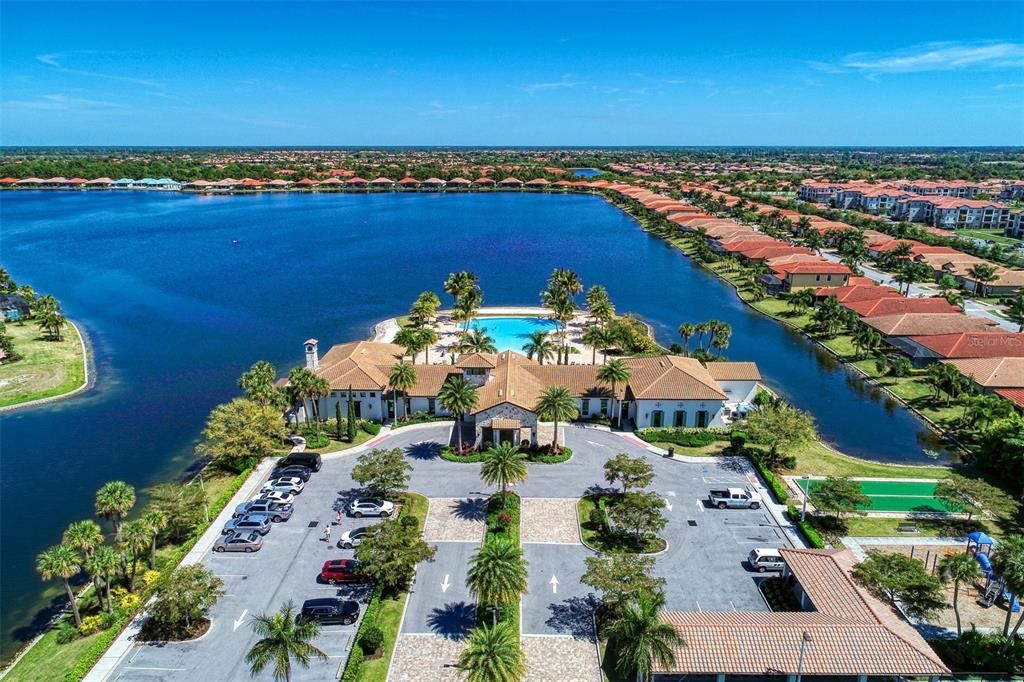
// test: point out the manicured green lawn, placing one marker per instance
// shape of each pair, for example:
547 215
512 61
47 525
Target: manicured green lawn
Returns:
46 369
715 449
817 459
867 526
993 235
604 541
48 660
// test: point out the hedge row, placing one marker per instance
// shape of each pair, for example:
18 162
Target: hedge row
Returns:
538 456
687 438
90 656
775 484
814 538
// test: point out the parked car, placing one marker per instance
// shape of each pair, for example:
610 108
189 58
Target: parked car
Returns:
290 484
276 496
352 538
768 559
239 542
341 571
258 523
300 472
310 460
330 610
738 498
371 506
277 511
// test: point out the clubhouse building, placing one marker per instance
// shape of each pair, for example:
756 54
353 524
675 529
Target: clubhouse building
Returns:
662 391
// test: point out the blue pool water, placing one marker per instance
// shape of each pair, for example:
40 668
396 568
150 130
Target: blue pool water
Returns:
175 310
586 172
511 333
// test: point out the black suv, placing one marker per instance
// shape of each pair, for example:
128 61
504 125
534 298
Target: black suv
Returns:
330 611
310 460
295 470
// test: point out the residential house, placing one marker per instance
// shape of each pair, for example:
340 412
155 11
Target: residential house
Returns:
987 343
13 307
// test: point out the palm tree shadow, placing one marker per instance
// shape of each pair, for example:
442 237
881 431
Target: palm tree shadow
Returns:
454 620
574 616
423 451
735 465
470 509
598 489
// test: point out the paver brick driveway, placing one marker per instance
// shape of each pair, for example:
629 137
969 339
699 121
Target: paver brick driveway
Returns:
550 521
426 658
564 659
455 520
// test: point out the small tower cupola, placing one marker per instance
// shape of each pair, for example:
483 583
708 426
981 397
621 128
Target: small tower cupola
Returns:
312 355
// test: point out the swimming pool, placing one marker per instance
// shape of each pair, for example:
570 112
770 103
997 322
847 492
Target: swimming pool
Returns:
511 333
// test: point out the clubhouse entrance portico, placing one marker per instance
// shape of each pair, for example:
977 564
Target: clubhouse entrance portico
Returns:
504 430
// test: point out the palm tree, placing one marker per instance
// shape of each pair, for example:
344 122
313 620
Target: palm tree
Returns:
318 388
426 337
493 654
638 637
556 404
982 274
84 536
102 564
504 465
402 377
61 561
465 309
1016 310
136 539
1008 562
113 501
540 346
458 283
615 372
300 386
497 574
477 341
958 568
458 396
409 338
686 331
282 638
155 520
595 337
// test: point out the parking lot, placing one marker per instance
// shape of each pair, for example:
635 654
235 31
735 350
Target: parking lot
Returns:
703 564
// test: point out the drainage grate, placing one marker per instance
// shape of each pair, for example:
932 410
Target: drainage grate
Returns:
691 522
314 524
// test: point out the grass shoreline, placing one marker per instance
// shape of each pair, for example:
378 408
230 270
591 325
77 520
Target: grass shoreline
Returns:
64 363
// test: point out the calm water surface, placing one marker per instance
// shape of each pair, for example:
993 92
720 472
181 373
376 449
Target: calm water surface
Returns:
176 311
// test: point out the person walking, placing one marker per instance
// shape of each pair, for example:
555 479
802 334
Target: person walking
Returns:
327 534
337 518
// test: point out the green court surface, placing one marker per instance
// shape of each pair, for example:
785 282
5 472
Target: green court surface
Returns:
894 495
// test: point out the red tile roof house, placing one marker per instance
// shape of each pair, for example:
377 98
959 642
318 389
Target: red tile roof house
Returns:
966 344
858 292
894 305
841 633
760 252
1002 376
803 275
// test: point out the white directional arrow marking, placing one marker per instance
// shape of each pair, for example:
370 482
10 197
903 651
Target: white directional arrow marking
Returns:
668 504
445 585
241 619
671 493
554 584
600 445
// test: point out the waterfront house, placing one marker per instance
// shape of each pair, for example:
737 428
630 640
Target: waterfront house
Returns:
330 184
903 330
804 275
123 183
198 185
408 183
510 183
459 183
988 343
356 183
30 182
382 183
662 391
892 305
8 182
484 182
306 183
76 183
99 183
279 184
433 183
537 183
841 632
13 307
1002 376
251 184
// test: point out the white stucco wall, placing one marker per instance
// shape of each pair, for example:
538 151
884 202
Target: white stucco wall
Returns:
739 391
370 406
641 411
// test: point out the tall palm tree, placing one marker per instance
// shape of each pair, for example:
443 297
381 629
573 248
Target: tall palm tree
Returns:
1016 310
113 501
427 337
469 303
61 561
460 282
958 568
102 564
540 347
477 341
409 338
281 640
556 404
318 388
686 331
135 540
493 654
638 637
84 536
458 396
614 373
300 386
982 274
503 466
497 574
402 377
156 520
595 337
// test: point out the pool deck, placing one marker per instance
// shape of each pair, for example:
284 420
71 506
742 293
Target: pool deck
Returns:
448 331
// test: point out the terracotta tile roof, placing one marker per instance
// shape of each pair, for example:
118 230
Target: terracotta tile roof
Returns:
670 377
926 324
477 360
408 181
992 372
859 292
504 423
892 305
974 344
581 380
359 364
429 379
508 384
734 371
851 632
1014 395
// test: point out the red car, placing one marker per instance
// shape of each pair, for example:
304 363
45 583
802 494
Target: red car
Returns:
341 571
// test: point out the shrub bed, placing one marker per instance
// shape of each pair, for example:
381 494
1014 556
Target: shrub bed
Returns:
779 594
814 538
687 438
470 455
419 418
372 428
598 533
775 483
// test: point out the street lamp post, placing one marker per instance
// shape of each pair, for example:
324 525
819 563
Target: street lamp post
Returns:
807 493
804 641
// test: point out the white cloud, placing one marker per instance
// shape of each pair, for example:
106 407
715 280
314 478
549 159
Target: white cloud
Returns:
930 57
567 82
55 60
60 102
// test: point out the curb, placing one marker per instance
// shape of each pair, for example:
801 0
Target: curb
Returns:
87 382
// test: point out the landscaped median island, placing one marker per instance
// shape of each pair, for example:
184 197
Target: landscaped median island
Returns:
628 520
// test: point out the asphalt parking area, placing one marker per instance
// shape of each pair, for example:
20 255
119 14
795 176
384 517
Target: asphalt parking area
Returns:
556 602
419 658
565 659
549 520
439 602
455 519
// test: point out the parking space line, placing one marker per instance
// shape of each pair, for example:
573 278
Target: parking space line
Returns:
700 506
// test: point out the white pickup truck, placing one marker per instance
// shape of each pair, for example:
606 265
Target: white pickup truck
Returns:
734 497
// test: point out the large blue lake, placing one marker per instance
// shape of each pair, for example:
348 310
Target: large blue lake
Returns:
176 311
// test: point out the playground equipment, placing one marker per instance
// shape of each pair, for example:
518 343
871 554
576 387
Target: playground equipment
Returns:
980 545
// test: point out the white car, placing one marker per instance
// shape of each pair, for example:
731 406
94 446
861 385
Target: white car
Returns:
352 538
289 484
276 496
371 506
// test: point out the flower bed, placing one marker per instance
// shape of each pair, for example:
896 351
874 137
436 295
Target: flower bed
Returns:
687 438
470 455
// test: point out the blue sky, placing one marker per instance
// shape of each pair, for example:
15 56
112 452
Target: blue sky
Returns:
525 73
